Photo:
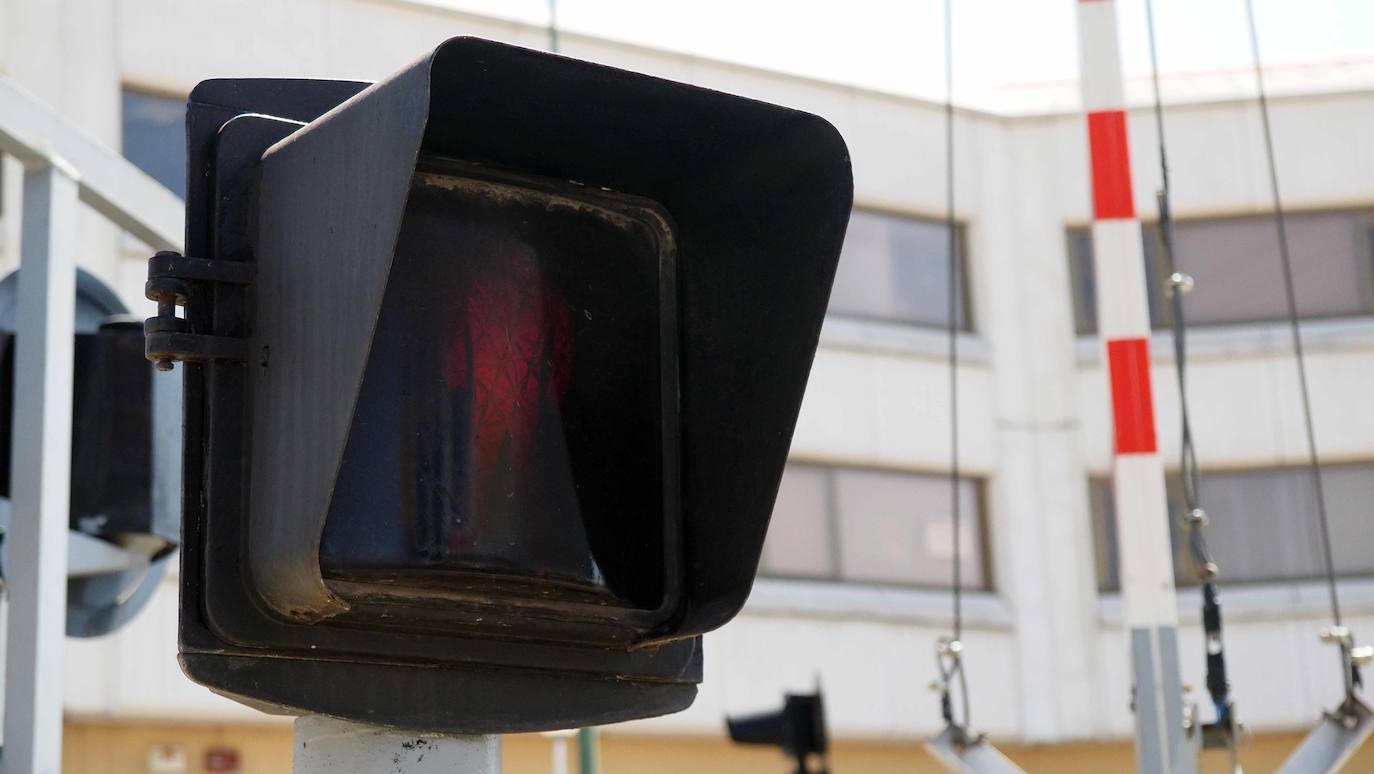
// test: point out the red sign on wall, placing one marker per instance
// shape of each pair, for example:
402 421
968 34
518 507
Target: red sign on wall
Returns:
221 759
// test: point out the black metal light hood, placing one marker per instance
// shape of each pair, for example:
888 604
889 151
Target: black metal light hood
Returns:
759 195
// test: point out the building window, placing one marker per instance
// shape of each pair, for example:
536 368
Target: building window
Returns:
154 137
1262 528
1235 263
896 268
873 526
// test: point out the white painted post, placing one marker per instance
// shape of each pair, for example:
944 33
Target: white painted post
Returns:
40 471
560 753
1123 321
329 746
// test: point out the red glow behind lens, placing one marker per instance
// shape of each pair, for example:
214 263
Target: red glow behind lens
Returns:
509 343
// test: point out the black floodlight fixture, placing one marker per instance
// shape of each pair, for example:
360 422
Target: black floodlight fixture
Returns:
493 369
798 729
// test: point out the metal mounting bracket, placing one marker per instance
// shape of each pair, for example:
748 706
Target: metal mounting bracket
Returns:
1341 731
956 747
173 280
956 751
1335 739
1226 733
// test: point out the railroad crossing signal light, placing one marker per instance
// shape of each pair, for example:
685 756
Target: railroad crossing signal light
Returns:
492 371
122 525
798 729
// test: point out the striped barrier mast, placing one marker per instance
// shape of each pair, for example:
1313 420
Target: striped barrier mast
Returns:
1123 320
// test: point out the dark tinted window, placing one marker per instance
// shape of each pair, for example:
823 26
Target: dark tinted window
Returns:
1262 525
154 137
896 268
875 526
1235 265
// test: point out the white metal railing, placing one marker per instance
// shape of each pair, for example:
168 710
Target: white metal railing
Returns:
61 167
32 132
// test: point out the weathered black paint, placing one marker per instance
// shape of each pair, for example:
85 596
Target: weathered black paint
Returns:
759 197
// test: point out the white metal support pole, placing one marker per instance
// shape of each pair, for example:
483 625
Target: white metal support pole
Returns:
329 746
559 752
40 472
1123 321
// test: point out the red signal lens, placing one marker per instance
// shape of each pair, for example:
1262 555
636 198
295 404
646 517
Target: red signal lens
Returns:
514 363
509 342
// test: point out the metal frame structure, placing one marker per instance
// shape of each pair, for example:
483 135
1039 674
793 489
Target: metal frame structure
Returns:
1329 746
968 757
62 167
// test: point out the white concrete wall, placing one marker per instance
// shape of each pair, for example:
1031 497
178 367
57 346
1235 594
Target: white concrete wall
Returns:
64 52
1046 656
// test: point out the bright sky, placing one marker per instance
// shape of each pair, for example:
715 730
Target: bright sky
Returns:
896 46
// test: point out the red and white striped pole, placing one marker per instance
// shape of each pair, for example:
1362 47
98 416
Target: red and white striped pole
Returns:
1123 321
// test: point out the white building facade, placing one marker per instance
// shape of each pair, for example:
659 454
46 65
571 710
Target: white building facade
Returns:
855 579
